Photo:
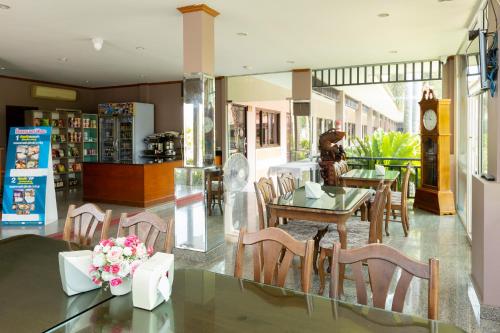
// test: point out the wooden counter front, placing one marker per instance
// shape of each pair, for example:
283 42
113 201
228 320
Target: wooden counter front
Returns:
140 185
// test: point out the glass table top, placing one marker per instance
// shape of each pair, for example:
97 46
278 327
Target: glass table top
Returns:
31 292
204 301
370 174
333 199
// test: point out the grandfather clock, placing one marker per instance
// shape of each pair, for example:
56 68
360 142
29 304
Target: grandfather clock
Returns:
435 195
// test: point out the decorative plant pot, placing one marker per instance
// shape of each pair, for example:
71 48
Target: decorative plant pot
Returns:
122 289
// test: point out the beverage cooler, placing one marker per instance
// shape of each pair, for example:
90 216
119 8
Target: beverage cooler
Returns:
122 129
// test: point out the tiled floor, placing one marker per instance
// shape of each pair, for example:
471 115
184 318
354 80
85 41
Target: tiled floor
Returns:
430 236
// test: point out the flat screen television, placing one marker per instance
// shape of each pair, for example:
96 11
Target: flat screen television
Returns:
477 80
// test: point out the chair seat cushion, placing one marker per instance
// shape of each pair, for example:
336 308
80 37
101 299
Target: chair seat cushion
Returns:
310 224
357 235
298 231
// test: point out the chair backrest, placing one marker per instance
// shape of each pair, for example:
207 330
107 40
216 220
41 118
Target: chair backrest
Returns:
147 227
405 184
286 183
377 214
344 167
265 193
273 252
382 261
81 223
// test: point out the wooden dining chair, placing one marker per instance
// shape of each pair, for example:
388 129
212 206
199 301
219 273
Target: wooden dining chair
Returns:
359 233
147 227
399 201
298 229
382 261
81 223
271 264
286 183
215 191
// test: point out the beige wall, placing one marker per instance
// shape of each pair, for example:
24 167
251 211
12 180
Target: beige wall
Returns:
18 92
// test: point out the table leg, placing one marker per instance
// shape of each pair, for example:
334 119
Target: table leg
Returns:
343 244
388 211
273 219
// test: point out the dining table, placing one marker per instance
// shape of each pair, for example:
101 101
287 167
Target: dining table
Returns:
204 301
32 300
31 294
368 178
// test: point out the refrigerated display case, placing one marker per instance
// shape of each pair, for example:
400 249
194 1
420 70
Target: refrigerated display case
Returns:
122 129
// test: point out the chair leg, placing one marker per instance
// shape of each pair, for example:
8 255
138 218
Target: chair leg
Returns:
315 255
321 268
407 218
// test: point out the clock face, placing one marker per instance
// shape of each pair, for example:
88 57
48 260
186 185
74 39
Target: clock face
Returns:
430 119
209 125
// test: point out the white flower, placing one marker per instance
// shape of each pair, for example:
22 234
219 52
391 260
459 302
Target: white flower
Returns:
98 260
120 241
124 269
127 251
114 255
98 249
106 248
106 276
140 250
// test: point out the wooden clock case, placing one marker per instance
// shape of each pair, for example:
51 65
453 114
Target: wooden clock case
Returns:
435 195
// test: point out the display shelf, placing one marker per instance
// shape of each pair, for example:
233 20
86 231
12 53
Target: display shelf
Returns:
90 140
66 141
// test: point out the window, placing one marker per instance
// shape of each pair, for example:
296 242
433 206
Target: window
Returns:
267 125
365 131
351 132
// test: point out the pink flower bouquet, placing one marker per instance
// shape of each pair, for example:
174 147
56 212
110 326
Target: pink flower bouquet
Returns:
116 259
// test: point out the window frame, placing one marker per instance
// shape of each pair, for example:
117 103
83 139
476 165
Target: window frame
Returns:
276 128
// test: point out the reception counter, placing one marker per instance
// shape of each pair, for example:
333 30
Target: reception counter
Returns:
140 185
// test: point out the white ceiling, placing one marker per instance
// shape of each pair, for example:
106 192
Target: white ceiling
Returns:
314 34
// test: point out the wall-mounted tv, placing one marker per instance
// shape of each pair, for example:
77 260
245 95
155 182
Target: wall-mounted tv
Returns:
477 80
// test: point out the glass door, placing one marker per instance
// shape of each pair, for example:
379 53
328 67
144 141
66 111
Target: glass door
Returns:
125 142
107 139
237 126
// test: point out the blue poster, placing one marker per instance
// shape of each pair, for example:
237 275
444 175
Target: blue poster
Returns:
27 168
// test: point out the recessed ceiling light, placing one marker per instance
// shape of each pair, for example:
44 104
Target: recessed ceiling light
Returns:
2 68
383 15
139 48
290 62
97 42
242 34
3 6
62 59
87 81
393 51
247 67
445 0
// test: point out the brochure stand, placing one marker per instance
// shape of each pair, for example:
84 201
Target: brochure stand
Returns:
29 196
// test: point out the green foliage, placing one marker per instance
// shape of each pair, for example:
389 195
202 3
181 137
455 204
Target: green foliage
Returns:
386 144
304 144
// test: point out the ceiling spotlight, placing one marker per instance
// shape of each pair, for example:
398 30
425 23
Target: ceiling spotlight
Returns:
63 59
445 0
86 81
2 68
139 48
383 15
97 42
393 51
242 34
290 62
3 6
247 67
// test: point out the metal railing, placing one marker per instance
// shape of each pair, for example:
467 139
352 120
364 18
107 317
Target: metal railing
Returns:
391 163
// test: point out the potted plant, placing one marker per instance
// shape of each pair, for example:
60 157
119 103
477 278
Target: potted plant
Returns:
114 262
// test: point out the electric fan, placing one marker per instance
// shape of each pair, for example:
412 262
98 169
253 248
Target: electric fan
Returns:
235 179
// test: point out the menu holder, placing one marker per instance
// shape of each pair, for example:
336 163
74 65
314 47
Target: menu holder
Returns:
74 271
29 196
